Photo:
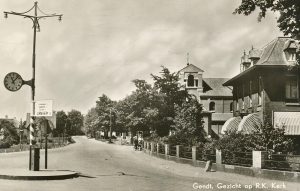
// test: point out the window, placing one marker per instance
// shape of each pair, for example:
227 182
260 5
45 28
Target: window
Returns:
190 80
291 88
196 82
212 106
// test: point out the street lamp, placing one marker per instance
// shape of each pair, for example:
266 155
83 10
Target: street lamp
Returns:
36 28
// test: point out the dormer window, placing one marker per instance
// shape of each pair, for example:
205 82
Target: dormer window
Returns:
290 50
291 57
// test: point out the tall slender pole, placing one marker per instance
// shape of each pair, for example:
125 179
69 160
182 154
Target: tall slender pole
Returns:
110 124
33 83
35 19
46 144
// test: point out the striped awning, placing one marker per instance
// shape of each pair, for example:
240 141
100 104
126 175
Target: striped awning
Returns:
250 124
288 120
231 125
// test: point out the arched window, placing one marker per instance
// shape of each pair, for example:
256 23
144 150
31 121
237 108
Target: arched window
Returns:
212 106
190 81
231 107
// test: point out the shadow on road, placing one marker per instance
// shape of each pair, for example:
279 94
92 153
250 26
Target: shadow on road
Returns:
115 174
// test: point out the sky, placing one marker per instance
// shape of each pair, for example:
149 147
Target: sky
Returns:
102 45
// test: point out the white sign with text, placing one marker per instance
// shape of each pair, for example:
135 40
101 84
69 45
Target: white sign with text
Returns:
43 108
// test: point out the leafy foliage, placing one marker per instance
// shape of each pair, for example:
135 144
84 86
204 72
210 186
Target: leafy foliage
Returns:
148 109
105 110
75 123
61 122
269 139
91 122
289 10
188 124
9 133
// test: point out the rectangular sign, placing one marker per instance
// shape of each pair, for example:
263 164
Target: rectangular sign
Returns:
43 108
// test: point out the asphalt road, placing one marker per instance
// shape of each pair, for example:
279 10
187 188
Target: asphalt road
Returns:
113 167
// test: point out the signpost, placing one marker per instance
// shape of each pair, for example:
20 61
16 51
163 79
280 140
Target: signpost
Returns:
43 108
14 82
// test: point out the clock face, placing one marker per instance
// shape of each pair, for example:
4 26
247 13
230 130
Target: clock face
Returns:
13 81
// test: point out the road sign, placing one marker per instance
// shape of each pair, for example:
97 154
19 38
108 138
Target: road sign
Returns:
43 108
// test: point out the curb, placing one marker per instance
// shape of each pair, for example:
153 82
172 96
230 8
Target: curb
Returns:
67 175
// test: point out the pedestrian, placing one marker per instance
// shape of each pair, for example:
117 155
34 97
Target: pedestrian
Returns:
136 142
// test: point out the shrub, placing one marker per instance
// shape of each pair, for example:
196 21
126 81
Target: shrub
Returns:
4 145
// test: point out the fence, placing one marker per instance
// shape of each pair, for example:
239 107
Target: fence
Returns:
237 158
186 152
282 162
161 148
256 159
172 151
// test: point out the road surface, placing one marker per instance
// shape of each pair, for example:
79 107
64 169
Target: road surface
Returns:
113 167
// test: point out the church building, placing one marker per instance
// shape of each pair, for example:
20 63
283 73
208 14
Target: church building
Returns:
215 98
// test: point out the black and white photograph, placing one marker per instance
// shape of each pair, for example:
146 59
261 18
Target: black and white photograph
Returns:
150 95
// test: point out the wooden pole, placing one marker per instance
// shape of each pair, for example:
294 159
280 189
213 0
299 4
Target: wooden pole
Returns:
46 145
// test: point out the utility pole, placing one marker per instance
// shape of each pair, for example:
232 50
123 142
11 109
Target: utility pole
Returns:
36 28
110 124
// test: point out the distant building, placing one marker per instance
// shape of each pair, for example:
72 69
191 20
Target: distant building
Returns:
267 89
210 92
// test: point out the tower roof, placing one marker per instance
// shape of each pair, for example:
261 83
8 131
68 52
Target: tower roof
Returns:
191 68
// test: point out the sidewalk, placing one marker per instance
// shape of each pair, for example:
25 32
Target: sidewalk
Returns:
14 167
25 174
198 172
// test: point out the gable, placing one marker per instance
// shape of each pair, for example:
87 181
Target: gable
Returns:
191 69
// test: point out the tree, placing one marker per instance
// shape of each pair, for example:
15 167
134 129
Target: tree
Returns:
61 122
75 123
9 133
289 10
188 125
91 122
168 84
104 108
170 94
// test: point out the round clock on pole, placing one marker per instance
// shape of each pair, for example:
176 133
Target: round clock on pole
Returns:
13 81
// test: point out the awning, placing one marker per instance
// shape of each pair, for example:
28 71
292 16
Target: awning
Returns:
250 124
231 125
288 120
